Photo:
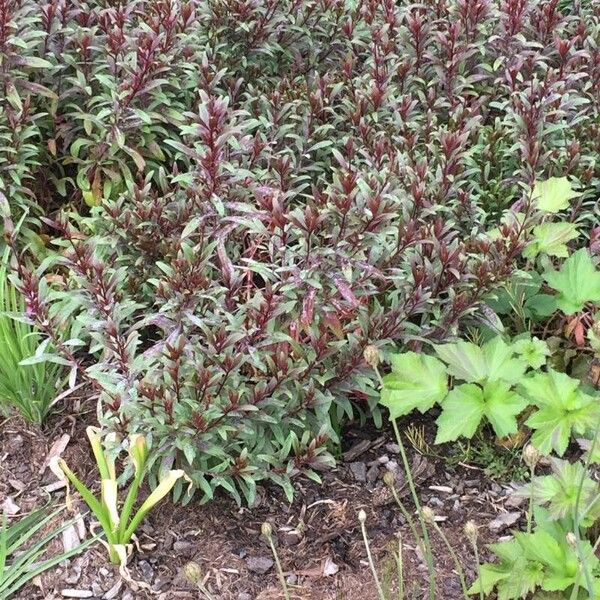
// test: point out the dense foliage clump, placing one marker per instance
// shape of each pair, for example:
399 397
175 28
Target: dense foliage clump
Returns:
247 194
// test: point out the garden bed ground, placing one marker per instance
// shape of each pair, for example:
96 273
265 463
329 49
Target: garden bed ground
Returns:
319 536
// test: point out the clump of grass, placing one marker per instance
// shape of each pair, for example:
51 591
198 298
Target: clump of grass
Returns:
28 382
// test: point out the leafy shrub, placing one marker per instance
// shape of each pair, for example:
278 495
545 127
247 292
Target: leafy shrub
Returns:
282 183
457 104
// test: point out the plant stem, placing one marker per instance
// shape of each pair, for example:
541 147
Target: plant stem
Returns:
280 575
400 569
478 567
370 559
413 491
406 515
577 519
461 573
530 511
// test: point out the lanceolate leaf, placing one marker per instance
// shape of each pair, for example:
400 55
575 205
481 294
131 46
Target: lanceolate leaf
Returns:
417 381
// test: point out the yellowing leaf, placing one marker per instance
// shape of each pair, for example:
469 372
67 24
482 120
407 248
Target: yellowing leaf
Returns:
553 195
551 239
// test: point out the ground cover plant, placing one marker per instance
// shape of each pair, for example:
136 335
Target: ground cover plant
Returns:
236 227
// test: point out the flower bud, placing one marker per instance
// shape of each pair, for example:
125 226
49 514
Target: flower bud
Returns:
571 540
428 514
389 479
192 572
362 516
531 456
470 530
371 355
266 529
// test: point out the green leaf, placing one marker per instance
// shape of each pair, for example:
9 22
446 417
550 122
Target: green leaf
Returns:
462 412
563 409
541 305
491 362
533 351
34 62
551 239
465 360
553 195
577 282
467 404
542 547
560 492
501 407
489 576
417 381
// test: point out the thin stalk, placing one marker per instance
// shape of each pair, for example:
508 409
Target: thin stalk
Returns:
280 575
406 515
577 519
477 566
362 519
413 491
400 569
530 511
461 573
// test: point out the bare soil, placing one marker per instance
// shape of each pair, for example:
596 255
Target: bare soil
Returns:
318 536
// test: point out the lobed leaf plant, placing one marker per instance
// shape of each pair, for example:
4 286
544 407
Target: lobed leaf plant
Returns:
499 381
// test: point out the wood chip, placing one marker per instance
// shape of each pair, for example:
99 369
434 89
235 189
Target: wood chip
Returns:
56 450
330 568
9 507
441 488
68 593
503 521
114 590
356 450
55 485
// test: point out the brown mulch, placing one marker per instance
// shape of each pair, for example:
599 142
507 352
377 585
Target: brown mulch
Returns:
318 536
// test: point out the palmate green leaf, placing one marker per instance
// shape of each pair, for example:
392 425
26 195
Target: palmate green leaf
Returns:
554 194
533 562
533 350
577 282
559 492
489 577
551 239
467 404
494 361
563 410
462 412
417 381
502 405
